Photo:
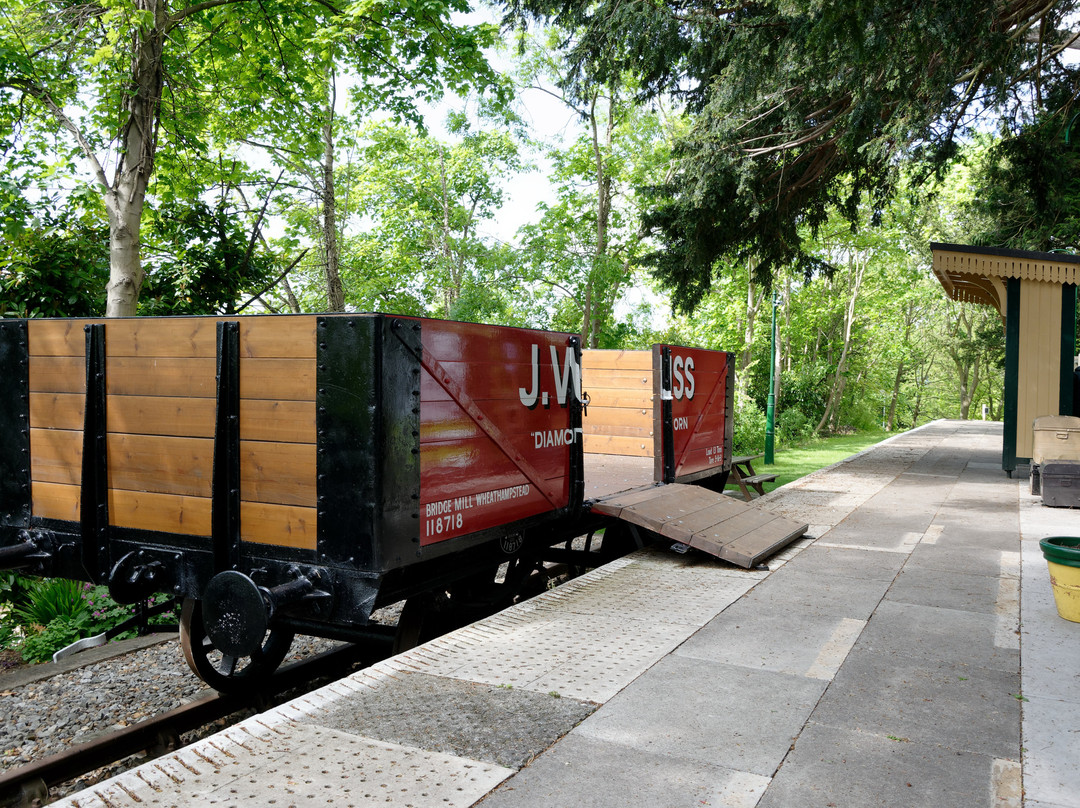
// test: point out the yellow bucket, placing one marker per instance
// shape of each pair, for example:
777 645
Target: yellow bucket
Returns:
1062 555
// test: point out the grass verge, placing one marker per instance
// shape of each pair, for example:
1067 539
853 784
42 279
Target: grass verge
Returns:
793 463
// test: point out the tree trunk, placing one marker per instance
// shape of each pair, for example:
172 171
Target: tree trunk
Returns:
126 197
857 268
590 331
891 421
335 291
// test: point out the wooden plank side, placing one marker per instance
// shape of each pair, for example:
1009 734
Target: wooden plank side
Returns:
618 416
58 337
269 336
55 501
161 465
281 525
642 433
168 513
598 358
277 473
57 374
262 379
277 421
55 456
609 444
628 399
56 410
616 379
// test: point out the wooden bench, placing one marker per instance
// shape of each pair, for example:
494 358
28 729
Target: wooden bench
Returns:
743 476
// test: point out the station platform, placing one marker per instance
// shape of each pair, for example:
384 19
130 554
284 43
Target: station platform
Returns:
909 654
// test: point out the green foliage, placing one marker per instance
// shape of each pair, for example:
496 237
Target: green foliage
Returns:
804 109
749 437
1029 188
50 599
40 645
202 260
52 265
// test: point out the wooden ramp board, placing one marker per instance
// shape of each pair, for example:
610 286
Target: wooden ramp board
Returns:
724 527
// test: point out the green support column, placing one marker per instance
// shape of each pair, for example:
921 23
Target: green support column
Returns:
770 408
1012 372
1068 347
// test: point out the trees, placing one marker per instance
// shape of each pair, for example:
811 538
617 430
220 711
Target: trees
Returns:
126 80
588 244
803 108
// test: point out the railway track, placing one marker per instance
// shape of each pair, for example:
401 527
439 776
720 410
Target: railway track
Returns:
31 784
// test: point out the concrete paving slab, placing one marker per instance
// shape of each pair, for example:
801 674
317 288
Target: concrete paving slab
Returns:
1052 749
803 593
707 712
764 636
947 556
844 768
933 634
481 722
948 589
582 772
847 562
941 702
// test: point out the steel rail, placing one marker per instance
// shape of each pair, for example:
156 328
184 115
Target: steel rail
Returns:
161 733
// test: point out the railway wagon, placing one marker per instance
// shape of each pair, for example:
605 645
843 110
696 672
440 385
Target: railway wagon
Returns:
282 474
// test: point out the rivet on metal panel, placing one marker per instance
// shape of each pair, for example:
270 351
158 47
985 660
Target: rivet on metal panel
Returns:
351 323
416 516
322 345
322 409
415 434
416 327
322 367
322 391
415 450
416 410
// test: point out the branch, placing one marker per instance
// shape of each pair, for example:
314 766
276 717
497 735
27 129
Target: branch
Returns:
38 92
274 282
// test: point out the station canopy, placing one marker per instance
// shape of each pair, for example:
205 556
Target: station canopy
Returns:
978 274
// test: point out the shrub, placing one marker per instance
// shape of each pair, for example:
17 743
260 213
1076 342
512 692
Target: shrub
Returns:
49 599
749 437
39 646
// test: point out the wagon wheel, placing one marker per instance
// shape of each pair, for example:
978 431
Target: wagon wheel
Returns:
424 617
226 673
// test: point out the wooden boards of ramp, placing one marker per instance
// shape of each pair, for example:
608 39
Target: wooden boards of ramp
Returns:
706 520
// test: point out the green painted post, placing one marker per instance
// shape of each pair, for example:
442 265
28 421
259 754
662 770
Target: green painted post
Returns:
1012 373
1068 348
770 409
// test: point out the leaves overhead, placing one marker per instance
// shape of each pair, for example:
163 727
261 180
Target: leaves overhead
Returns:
804 106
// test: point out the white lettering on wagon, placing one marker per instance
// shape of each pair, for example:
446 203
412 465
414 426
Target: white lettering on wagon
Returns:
447 515
680 423
683 381
570 374
554 437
